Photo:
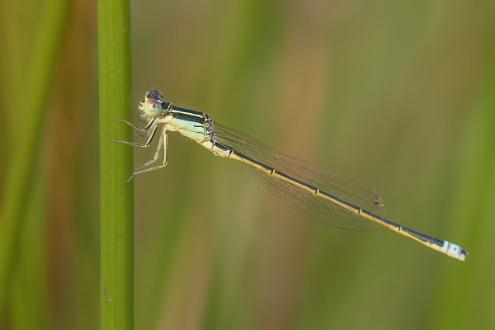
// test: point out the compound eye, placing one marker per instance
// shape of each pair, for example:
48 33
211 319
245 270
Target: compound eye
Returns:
154 95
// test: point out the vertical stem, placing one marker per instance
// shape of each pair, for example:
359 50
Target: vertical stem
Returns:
116 197
32 110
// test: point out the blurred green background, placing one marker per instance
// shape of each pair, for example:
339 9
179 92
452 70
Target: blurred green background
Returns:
397 95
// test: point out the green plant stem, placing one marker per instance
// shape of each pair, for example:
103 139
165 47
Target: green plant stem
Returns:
116 197
32 106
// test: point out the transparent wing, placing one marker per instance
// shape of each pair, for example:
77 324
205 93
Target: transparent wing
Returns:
304 201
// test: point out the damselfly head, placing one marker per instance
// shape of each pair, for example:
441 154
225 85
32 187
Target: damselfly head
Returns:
152 105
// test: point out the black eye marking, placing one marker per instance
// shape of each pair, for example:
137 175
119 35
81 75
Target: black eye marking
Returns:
155 95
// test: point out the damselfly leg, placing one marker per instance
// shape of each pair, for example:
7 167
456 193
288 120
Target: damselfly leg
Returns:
162 144
149 132
137 128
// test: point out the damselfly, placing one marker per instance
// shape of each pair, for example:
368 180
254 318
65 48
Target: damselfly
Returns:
325 196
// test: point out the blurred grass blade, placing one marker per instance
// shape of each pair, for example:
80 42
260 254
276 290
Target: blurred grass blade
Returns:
116 197
33 107
30 294
462 287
